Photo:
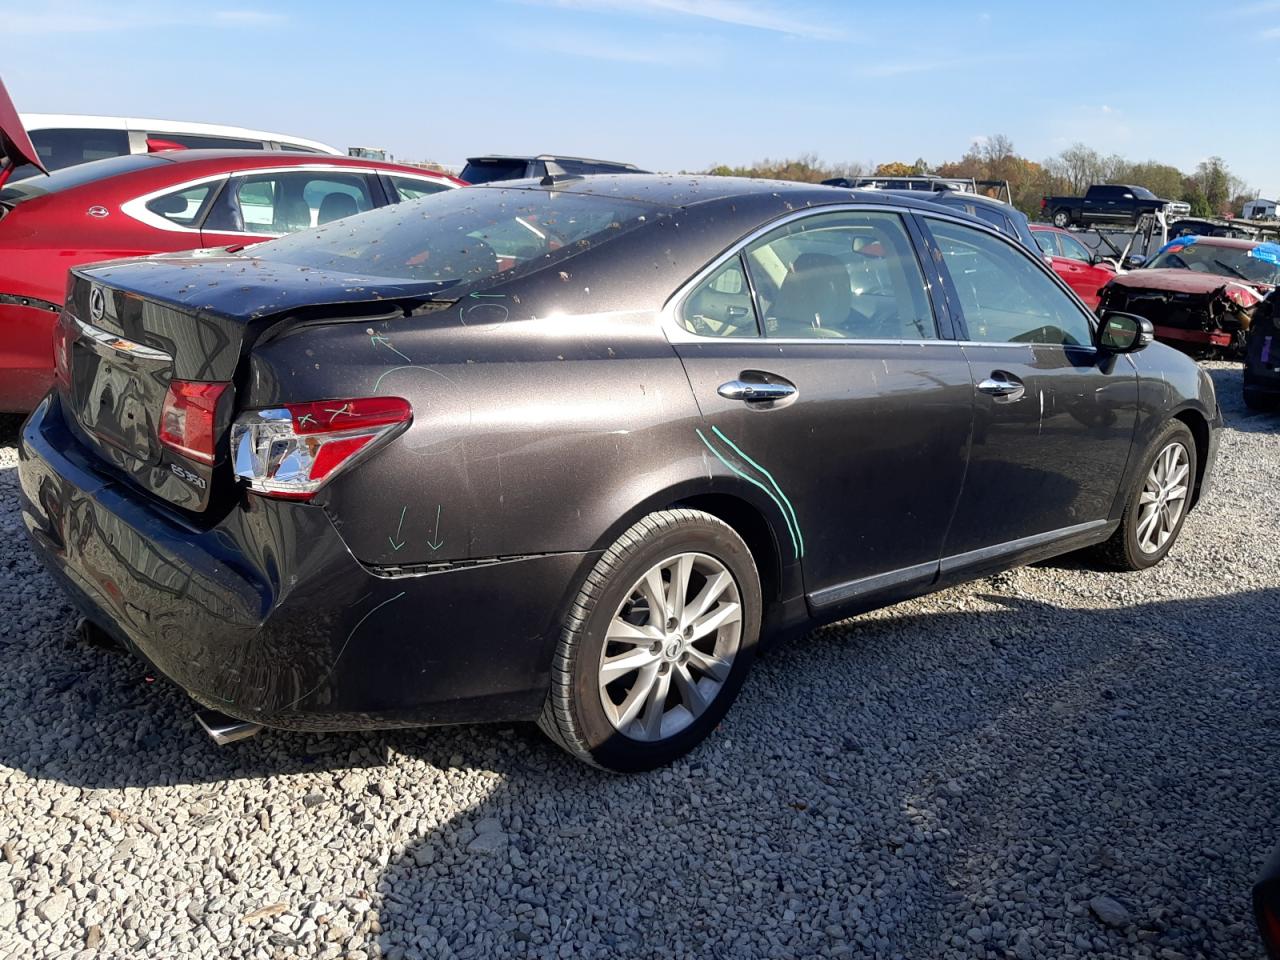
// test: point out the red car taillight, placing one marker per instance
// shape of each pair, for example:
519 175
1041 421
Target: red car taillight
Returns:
187 418
292 450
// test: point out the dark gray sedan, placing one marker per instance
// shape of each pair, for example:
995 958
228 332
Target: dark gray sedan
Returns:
570 450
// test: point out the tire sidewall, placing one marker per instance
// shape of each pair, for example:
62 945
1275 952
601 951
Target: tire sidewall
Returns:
608 747
1175 431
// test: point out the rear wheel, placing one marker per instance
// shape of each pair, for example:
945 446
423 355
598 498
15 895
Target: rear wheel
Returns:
1062 219
1158 504
657 645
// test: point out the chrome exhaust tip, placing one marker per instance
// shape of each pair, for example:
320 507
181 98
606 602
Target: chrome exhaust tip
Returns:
223 729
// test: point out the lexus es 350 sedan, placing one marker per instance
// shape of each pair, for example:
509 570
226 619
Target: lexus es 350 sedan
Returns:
569 449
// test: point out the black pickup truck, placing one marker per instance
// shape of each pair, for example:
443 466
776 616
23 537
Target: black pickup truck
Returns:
1103 203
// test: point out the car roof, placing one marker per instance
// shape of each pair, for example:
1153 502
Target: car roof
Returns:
547 156
1047 228
1238 243
53 121
287 158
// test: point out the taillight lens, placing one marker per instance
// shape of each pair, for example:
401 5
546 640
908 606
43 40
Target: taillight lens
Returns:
188 417
292 450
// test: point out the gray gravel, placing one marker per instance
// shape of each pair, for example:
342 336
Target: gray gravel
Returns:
1054 762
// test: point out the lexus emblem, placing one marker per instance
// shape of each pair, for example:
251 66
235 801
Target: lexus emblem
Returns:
98 211
97 304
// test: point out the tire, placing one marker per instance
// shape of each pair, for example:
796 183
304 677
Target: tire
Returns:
1062 219
1131 546
703 673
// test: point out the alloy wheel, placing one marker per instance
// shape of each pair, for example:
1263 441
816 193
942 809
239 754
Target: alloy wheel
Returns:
670 646
1163 498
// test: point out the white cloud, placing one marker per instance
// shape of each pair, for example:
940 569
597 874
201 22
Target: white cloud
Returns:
758 14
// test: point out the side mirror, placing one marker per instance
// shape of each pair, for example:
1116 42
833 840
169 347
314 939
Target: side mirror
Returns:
1124 333
1134 261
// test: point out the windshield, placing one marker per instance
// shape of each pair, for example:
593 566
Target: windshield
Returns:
1260 263
463 235
487 171
76 176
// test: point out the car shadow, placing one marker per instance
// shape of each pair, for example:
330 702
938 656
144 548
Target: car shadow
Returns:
790 825
1228 383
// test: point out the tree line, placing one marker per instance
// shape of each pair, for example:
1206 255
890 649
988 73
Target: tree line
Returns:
1211 189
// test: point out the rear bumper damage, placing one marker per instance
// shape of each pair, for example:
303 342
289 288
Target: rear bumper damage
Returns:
266 617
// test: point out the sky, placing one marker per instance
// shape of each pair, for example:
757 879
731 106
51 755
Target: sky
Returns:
675 84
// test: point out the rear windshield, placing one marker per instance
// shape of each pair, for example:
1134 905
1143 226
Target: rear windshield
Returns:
463 235
487 171
76 176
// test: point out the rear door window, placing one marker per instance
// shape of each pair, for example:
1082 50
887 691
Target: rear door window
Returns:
411 188
844 276
281 203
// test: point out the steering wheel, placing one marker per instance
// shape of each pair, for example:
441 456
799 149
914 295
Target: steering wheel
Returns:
884 322
1176 261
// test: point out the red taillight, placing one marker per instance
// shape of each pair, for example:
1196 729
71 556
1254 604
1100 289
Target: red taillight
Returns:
291 450
188 418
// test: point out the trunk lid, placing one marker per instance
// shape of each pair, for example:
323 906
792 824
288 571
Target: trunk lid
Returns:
130 328
16 148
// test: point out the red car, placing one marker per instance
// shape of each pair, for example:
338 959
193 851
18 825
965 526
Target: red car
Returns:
1079 269
154 203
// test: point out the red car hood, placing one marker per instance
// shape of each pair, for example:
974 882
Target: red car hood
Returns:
1188 281
15 145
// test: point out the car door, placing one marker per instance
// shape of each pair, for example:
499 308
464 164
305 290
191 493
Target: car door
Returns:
1053 417
272 203
1076 267
818 365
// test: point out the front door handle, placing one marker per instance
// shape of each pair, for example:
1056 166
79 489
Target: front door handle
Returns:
756 392
1002 386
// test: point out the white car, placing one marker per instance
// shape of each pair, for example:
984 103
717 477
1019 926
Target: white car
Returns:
64 140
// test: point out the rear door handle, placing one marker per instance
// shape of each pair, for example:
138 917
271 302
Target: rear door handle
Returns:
756 391
1002 386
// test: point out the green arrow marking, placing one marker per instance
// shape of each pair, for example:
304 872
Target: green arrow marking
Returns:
435 543
392 540
490 296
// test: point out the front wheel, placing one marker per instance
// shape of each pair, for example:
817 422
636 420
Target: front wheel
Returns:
1061 219
657 644
1158 504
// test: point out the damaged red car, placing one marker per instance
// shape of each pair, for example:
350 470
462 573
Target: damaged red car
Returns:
1200 293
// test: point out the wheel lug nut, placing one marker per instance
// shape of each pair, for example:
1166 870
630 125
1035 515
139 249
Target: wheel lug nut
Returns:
664 668
671 624
688 631
655 647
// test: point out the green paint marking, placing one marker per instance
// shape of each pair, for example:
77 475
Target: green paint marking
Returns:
491 296
387 373
435 543
378 338
391 540
795 545
794 519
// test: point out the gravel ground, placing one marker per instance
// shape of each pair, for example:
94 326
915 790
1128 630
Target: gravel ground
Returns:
1054 762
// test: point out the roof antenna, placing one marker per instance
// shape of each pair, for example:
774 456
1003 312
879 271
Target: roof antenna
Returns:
554 172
